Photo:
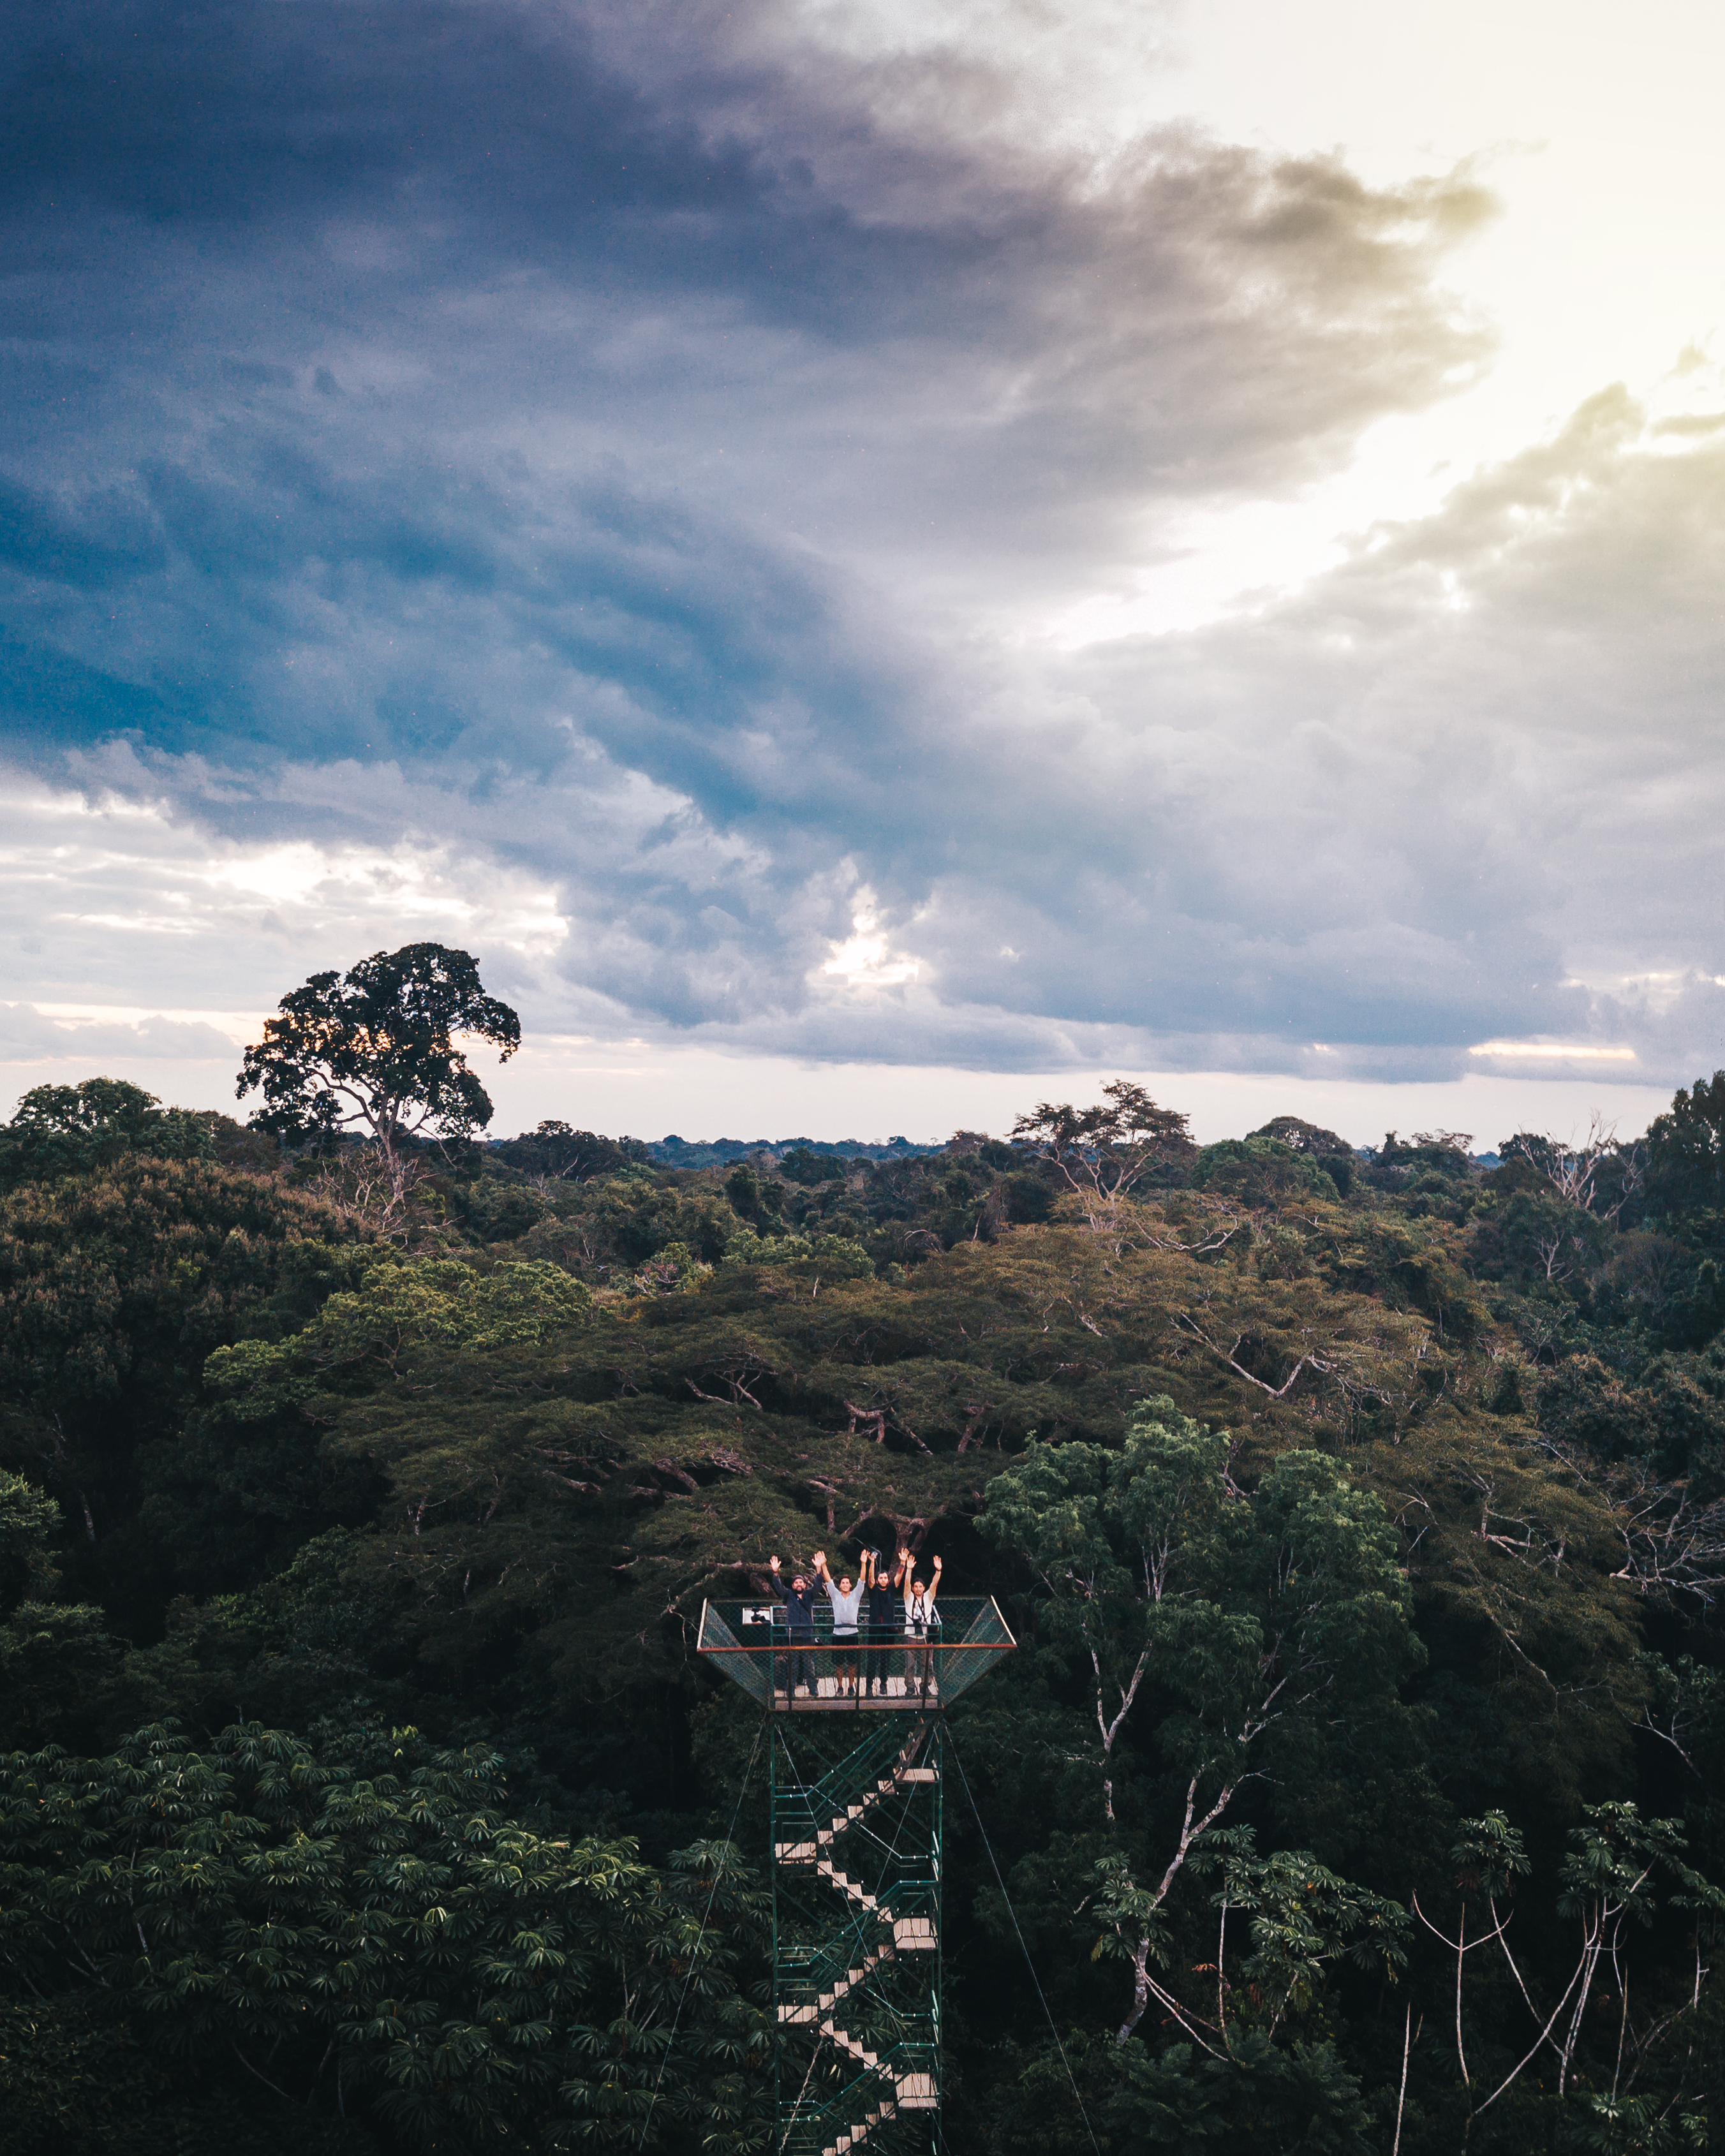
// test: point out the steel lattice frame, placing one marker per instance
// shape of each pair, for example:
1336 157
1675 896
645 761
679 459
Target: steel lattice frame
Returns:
856 1847
855 1790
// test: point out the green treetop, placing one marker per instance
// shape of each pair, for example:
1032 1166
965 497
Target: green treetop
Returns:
373 1050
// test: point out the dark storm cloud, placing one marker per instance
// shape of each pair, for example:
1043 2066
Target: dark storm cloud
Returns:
614 440
219 116
103 541
492 135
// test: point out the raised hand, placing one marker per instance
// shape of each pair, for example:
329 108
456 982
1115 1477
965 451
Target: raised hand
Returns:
773 1561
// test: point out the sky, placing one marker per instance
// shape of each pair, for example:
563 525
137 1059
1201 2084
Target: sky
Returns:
876 563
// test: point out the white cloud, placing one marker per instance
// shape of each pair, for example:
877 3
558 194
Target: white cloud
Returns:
112 889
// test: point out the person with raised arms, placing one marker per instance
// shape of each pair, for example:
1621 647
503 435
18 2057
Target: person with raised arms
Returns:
921 1624
799 1624
846 1598
880 1662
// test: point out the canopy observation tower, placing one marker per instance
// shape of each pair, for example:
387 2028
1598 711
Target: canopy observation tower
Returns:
855 1784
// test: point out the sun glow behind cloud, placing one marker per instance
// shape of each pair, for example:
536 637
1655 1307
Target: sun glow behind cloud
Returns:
1603 264
1551 1051
865 958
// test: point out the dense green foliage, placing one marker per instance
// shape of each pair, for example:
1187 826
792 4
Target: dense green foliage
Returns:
69 1130
361 1915
1361 1518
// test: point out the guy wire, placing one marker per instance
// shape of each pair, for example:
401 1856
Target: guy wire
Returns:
1029 1964
689 1976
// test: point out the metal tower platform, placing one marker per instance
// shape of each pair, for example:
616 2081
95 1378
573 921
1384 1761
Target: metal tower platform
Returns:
856 1860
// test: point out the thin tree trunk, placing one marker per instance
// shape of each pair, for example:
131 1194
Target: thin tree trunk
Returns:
1140 1952
1401 2096
1590 1961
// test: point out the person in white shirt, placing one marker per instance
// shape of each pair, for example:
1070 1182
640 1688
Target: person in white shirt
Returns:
921 1627
846 1598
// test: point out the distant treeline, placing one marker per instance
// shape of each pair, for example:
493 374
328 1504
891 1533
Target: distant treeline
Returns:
674 1151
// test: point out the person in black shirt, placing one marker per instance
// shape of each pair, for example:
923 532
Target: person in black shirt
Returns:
800 1622
882 1595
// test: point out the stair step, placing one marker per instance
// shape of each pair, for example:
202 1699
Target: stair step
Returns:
825 2001
901 1773
847 1886
847 2042
888 2109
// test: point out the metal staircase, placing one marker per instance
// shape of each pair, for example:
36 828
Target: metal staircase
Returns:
825 1793
856 1869
856 1847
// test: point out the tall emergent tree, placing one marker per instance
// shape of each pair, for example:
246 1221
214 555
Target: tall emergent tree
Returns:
1686 1149
1257 1635
1105 1151
374 1050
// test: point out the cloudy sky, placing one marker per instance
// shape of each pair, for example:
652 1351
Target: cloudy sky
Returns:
873 560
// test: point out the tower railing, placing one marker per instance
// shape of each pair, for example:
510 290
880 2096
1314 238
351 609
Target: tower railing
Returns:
792 1667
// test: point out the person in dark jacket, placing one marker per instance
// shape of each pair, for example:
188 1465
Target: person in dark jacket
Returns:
799 1628
881 1660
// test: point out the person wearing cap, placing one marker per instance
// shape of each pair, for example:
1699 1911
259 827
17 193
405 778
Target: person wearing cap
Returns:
922 1625
799 1629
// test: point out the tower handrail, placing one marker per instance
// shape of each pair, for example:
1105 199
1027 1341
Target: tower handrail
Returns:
751 1641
